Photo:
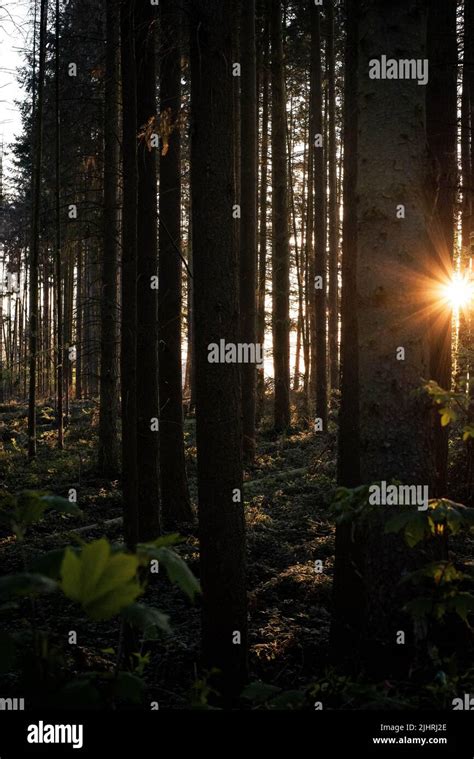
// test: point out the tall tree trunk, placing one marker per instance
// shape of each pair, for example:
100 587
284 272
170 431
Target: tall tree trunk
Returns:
109 402
35 230
59 338
248 230
318 283
441 118
174 487
347 621
190 383
333 326
221 514
79 324
281 246
262 242
395 428
128 350
148 409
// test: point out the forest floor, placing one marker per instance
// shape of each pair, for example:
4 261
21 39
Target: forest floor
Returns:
287 496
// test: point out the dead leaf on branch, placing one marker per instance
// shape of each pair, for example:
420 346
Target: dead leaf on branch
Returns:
162 126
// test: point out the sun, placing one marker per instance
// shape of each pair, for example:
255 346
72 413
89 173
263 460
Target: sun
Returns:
459 292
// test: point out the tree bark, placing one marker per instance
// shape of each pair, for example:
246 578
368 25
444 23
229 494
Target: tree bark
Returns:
176 506
148 408
280 241
248 231
221 515
333 321
262 243
441 117
395 428
318 283
35 229
128 352
347 591
109 402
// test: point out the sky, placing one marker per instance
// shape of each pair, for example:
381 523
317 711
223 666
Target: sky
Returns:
15 32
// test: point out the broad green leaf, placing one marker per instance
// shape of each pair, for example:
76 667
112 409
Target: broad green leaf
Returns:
62 505
129 688
398 521
70 574
49 563
103 583
259 693
292 699
419 607
454 520
147 619
415 530
25 584
447 415
30 508
177 569
468 432
463 605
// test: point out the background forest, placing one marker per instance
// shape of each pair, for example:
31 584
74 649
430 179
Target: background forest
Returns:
176 531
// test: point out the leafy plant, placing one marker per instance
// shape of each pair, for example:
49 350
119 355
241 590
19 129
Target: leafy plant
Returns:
105 579
451 407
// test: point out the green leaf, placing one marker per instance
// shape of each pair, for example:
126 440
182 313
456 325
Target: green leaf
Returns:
25 584
415 529
447 415
259 693
177 569
49 563
398 522
62 505
468 432
454 519
291 699
146 619
129 688
30 508
463 604
419 607
102 582
168 540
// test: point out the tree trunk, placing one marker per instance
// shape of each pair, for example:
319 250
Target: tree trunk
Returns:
318 283
128 351
108 439
441 117
35 229
262 243
176 507
395 429
280 241
79 323
248 230
347 590
333 325
148 409
221 515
